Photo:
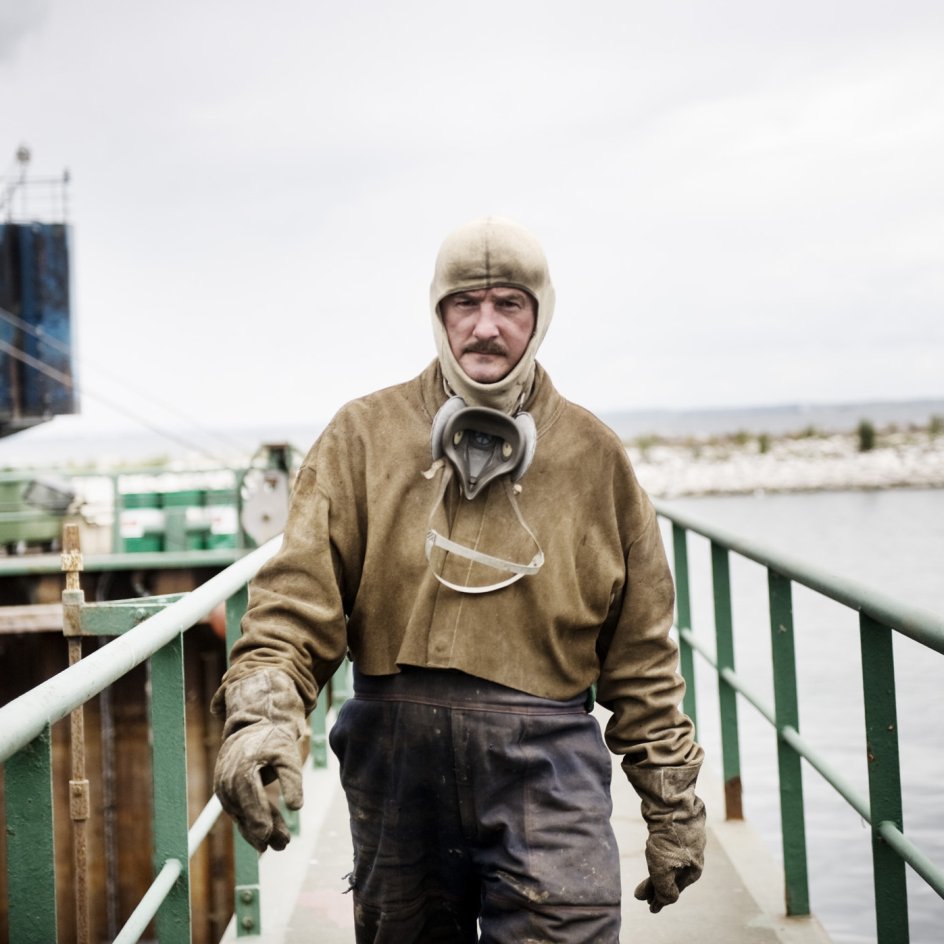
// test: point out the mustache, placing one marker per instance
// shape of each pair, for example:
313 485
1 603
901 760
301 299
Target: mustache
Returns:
485 347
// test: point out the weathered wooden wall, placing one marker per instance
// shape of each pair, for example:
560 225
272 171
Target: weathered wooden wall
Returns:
123 773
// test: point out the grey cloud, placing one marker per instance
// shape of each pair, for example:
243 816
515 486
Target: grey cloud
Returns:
18 18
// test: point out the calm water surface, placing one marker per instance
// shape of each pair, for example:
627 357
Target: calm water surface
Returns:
893 541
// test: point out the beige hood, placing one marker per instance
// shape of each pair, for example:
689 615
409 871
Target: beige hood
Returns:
482 254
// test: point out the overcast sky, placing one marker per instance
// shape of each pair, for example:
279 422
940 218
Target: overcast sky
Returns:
741 200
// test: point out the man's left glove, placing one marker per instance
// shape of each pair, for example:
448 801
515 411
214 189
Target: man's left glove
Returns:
265 724
675 850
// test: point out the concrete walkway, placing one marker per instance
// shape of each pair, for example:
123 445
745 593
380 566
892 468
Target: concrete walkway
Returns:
739 899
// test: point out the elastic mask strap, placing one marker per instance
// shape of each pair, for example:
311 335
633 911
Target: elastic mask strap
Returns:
434 539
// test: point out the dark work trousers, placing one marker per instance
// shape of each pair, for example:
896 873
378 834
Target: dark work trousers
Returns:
476 805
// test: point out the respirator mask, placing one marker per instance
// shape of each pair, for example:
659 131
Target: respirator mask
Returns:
479 445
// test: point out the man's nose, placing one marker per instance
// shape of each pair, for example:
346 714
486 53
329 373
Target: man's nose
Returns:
486 325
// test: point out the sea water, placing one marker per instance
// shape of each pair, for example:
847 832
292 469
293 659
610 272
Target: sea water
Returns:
891 541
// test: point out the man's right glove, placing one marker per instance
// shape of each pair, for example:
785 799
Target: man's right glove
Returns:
675 850
265 724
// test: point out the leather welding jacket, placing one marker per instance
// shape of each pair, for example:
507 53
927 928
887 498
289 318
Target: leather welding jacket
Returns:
351 576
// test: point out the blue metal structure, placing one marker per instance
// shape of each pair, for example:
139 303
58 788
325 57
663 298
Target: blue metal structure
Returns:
37 364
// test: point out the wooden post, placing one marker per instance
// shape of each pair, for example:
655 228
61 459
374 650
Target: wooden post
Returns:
79 807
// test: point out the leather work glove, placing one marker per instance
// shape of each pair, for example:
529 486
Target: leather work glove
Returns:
265 724
675 849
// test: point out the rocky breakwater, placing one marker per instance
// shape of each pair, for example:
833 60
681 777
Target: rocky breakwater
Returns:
809 461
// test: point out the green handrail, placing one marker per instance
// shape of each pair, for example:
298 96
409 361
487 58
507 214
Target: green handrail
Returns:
26 753
916 623
879 617
24 718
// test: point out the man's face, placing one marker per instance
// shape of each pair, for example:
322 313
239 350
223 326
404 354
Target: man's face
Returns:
488 330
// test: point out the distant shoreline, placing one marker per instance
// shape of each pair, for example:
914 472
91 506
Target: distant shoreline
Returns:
738 465
779 420
675 453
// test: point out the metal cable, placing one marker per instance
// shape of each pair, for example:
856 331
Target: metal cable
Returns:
67 381
66 349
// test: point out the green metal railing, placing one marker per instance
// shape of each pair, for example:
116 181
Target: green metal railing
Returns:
879 618
152 629
146 629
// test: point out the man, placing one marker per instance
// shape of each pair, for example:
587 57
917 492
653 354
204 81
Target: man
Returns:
482 550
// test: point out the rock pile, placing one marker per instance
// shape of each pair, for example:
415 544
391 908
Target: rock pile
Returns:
731 465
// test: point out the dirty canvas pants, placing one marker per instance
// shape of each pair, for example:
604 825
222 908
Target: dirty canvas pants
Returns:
472 802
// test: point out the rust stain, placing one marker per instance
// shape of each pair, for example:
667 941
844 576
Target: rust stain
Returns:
732 799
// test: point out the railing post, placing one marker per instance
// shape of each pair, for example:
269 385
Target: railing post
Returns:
727 696
246 907
169 759
318 725
683 608
342 685
116 543
31 857
881 732
338 690
786 710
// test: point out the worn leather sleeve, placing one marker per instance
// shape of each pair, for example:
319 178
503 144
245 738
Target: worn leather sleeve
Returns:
639 680
640 684
296 616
